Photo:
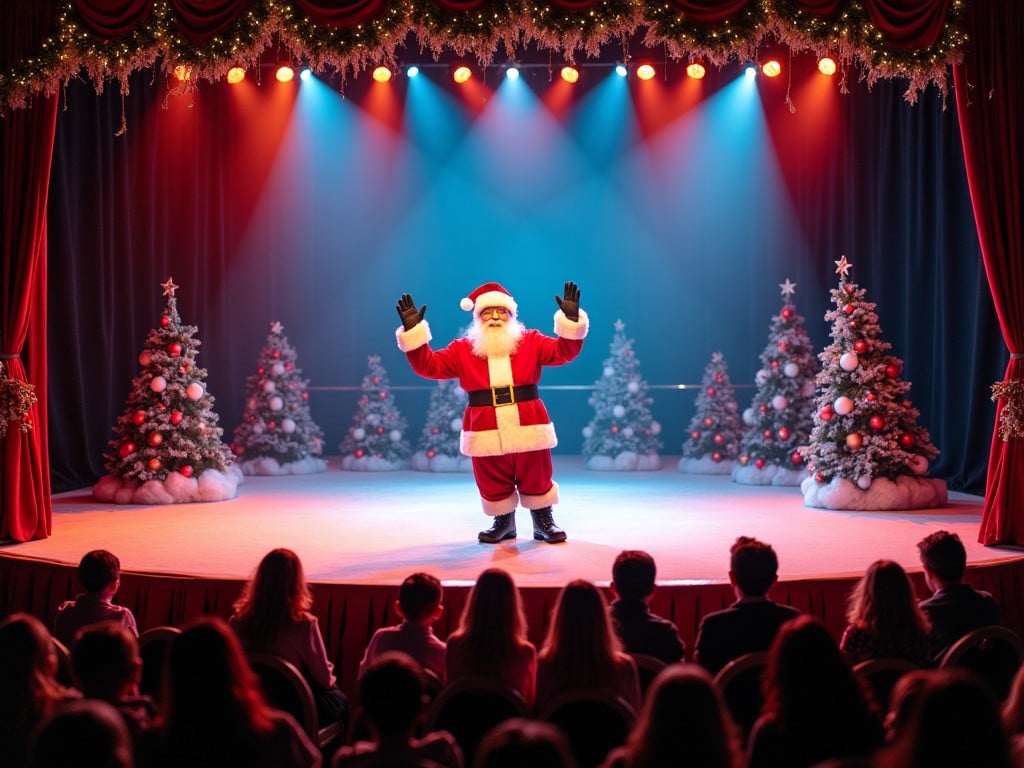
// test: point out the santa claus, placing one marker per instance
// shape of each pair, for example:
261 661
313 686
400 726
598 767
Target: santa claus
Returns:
505 428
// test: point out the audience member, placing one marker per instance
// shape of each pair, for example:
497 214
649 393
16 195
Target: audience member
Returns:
522 743
29 691
272 615
99 573
815 708
419 606
212 713
105 665
684 721
392 700
84 734
955 608
491 640
582 651
884 619
751 623
640 630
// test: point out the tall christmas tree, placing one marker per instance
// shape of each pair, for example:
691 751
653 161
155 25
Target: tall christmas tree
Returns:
779 417
439 442
622 435
277 434
376 440
866 449
167 445
715 429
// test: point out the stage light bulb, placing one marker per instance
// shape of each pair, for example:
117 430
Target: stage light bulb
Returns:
620 70
284 74
645 72
381 74
236 75
462 74
182 72
696 71
412 71
570 74
771 68
827 66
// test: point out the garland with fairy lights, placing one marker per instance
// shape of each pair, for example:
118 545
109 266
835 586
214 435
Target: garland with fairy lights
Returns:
847 35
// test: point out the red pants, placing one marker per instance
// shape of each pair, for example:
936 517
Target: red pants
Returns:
500 477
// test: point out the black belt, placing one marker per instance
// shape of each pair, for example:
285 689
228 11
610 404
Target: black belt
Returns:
499 396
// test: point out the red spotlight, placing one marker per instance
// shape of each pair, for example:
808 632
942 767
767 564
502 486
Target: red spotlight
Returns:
771 68
570 74
696 71
645 72
827 65
284 73
236 75
381 74
462 74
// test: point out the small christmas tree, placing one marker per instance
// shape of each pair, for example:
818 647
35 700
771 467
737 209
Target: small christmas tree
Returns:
622 435
439 441
715 429
277 435
376 440
167 446
779 417
866 449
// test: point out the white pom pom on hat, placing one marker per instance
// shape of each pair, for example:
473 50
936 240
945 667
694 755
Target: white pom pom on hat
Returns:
489 295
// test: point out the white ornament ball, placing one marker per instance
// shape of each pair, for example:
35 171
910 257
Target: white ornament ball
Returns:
843 405
275 403
919 465
158 384
791 370
287 426
627 432
395 435
864 482
633 387
145 358
849 361
748 417
618 411
588 431
761 377
277 369
779 402
608 372
194 390
455 425
358 433
655 427
269 386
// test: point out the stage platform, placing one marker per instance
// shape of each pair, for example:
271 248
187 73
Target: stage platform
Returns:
360 533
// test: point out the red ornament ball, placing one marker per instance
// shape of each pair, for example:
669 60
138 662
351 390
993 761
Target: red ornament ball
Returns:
849 309
127 448
165 321
712 391
176 417
153 464
892 371
186 470
759 463
716 456
719 440
860 346
155 439
174 349
139 418
876 422
784 433
787 313
695 435
906 440
796 458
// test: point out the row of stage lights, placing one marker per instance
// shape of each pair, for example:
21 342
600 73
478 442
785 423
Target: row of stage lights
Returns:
462 73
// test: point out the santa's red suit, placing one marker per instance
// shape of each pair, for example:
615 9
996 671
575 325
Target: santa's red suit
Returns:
510 444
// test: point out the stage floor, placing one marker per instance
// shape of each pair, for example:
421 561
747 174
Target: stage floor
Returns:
377 527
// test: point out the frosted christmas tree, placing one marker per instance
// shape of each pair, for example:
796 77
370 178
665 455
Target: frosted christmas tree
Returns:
277 434
376 440
167 446
866 449
622 435
715 429
779 416
439 442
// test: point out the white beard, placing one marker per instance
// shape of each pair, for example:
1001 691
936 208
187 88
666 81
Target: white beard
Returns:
491 342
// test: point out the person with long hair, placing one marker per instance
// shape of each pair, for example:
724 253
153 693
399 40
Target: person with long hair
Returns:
884 617
272 615
684 721
581 649
213 713
815 708
491 640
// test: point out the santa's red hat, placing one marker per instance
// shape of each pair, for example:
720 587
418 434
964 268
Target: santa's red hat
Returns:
489 295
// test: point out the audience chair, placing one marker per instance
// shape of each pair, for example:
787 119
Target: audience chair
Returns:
647 668
881 675
740 684
63 675
286 689
469 707
153 646
993 653
594 722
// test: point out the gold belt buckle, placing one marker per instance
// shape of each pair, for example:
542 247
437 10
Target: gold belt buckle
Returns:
511 396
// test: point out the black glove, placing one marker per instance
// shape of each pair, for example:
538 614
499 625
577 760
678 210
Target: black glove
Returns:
411 317
570 302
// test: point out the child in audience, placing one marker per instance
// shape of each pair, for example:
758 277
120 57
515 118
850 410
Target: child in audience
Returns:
419 606
885 620
640 630
99 573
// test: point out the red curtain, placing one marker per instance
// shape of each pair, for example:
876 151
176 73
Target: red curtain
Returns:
26 140
990 107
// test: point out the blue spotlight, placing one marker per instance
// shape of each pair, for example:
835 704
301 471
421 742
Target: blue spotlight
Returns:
412 71
620 70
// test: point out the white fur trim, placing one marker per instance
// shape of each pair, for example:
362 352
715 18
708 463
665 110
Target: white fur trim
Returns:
414 338
502 507
521 439
492 299
539 502
567 329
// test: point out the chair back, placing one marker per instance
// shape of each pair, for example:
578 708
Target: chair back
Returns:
286 689
594 721
153 646
647 668
470 707
993 653
881 675
740 684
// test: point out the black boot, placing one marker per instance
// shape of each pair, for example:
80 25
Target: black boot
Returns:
503 527
544 528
